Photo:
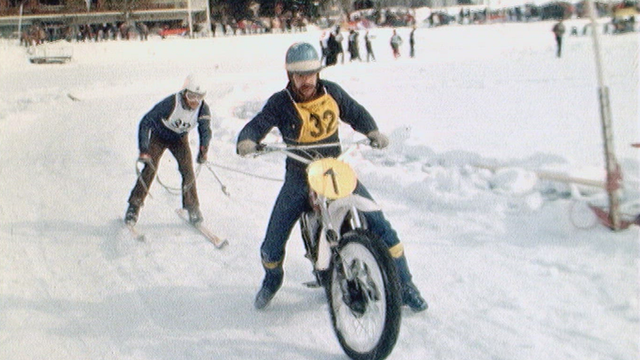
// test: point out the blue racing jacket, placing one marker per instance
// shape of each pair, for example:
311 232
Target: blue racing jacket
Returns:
169 121
298 125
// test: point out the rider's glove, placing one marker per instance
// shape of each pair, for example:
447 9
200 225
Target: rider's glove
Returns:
378 139
144 158
246 147
202 155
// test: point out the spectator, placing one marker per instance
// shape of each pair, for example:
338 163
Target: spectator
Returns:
558 30
396 42
367 43
333 49
339 38
412 42
324 46
354 51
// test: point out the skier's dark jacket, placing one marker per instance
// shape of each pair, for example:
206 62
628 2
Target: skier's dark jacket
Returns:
280 112
152 122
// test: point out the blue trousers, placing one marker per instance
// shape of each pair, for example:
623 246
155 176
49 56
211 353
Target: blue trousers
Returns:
292 201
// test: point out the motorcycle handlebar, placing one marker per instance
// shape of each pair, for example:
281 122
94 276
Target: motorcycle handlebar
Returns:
266 148
288 149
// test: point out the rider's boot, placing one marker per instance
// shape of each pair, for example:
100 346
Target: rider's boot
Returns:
195 216
410 293
131 216
270 285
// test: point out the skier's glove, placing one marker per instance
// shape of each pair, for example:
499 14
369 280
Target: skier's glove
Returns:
202 155
378 139
246 147
144 158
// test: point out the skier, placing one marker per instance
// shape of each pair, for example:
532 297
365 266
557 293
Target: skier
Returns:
166 126
294 111
395 42
558 31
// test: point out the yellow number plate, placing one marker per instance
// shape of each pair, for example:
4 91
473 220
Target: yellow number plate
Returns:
331 178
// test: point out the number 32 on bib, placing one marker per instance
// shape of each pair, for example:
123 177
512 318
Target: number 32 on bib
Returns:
319 119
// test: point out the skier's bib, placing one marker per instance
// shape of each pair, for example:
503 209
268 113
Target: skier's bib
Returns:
181 120
319 119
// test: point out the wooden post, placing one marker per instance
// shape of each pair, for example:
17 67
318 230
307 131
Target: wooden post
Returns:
611 163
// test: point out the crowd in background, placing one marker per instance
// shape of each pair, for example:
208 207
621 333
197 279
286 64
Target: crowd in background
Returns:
40 32
360 20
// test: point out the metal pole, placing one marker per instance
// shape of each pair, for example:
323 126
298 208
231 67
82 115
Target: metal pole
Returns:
189 19
20 24
611 163
208 19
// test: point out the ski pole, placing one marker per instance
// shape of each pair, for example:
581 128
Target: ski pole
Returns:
223 187
139 173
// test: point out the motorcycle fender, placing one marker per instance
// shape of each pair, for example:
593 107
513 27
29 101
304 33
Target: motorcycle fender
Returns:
339 208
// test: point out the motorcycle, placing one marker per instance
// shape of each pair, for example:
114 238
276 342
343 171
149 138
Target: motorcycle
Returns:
352 263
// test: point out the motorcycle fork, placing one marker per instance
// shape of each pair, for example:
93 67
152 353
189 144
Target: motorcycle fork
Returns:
355 220
310 229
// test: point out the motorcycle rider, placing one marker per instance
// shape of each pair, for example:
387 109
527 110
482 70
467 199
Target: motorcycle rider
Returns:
307 112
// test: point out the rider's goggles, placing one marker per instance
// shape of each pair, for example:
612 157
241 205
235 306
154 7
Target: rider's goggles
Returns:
193 96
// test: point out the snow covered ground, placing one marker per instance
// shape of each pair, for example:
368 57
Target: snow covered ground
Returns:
507 273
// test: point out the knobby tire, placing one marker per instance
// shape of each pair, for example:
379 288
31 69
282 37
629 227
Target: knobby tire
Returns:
366 242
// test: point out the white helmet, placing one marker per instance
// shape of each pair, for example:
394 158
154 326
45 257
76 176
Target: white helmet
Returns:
193 84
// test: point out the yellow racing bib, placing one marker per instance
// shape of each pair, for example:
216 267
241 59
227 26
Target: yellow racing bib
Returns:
319 119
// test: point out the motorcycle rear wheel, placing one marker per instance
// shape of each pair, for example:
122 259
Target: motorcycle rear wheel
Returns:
364 297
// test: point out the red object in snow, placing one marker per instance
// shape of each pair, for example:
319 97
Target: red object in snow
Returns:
603 217
168 32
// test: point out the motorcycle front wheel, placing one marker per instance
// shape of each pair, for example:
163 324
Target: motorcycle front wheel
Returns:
364 297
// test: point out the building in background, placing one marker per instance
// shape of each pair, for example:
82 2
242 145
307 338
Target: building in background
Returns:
63 13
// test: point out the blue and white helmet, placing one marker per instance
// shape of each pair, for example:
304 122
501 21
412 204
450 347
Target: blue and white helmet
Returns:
302 58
